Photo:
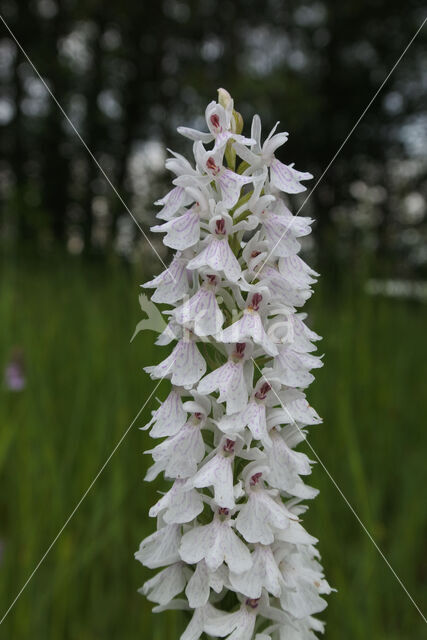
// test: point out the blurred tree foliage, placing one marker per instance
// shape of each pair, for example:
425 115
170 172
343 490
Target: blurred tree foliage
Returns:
128 72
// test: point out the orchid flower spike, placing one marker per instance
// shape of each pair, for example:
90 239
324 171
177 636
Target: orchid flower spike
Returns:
230 546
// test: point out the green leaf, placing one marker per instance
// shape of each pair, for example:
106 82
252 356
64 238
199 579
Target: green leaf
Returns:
154 321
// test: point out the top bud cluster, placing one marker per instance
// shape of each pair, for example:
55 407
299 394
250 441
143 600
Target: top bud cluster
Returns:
229 537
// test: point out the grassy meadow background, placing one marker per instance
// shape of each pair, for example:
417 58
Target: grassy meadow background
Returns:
85 383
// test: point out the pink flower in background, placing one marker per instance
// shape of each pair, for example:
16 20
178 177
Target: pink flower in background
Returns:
14 372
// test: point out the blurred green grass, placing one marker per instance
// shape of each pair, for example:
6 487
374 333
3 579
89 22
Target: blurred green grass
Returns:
85 384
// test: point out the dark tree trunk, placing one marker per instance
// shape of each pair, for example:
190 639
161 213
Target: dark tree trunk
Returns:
93 131
55 154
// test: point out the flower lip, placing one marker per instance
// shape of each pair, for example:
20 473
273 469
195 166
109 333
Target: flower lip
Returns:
228 447
261 394
255 302
239 351
220 228
212 166
215 121
255 478
224 228
223 512
252 602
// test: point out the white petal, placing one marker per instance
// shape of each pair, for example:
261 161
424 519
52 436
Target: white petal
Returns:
303 601
282 289
221 140
197 590
260 517
244 631
301 335
255 419
153 471
183 232
256 132
216 543
296 630
249 326
183 367
218 473
220 623
218 256
263 574
186 509
293 369
273 142
172 284
161 548
297 272
296 534
231 184
172 202
286 178
196 543
198 587
193 134
179 165
280 236
230 382
181 453
179 504
165 585
218 578
295 408
236 553
246 155
195 627
232 425
285 465
169 417
202 310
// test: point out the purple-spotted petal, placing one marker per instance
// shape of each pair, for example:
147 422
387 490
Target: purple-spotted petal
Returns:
218 256
165 585
202 310
183 367
217 473
172 203
260 517
172 284
179 505
182 232
161 548
230 382
264 574
168 418
180 454
215 543
231 184
286 178
249 326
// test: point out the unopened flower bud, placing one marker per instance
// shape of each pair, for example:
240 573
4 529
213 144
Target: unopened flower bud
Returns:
237 122
224 98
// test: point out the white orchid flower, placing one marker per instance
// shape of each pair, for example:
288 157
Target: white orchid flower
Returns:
283 177
220 124
241 358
